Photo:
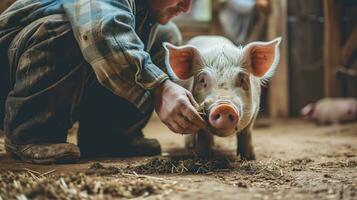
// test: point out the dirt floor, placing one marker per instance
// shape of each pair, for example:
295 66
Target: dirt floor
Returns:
295 160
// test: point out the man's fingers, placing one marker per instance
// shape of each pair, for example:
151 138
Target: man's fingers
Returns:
177 128
192 115
192 100
186 125
174 127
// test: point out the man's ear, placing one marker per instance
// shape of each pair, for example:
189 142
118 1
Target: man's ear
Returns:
183 62
263 57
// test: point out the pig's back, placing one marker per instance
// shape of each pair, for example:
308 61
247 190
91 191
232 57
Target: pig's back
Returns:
208 42
330 110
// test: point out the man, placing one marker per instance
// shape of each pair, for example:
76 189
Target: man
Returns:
98 62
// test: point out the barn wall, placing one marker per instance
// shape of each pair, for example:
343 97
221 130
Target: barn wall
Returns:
305 39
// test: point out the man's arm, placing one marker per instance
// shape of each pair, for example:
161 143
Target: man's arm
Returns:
105 32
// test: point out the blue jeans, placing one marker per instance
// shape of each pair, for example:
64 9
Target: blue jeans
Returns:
52 86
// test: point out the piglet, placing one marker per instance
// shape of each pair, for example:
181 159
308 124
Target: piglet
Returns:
226 81
331 111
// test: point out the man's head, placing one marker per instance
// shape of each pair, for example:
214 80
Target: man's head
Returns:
165 10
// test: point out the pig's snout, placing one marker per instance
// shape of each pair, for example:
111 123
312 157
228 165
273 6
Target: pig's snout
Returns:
223 117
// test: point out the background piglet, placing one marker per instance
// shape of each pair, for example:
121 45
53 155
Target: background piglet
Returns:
225 80
331 111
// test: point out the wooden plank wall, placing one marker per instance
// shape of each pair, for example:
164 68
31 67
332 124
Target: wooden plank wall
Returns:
306 65
340 53
278 95
332 47
349 49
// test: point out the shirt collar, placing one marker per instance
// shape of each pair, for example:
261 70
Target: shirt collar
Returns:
142 9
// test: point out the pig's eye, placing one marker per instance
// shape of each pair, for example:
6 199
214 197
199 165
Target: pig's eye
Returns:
242 80
202 81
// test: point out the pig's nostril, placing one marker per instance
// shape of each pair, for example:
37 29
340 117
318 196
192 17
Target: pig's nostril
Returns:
231 117
216 117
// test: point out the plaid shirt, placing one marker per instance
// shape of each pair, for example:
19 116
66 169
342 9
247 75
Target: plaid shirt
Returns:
113 35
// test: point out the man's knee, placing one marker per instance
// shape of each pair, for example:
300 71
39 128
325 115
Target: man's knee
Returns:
47 77
116 115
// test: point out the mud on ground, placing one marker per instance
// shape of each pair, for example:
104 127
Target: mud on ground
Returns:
295 160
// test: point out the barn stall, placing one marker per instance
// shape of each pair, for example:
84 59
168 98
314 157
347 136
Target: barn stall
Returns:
296 157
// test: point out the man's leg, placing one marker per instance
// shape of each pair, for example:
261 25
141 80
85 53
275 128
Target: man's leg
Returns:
47 77
110 125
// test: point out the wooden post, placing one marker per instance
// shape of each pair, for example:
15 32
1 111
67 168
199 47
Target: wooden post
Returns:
332 47
349 47
215 26
278 93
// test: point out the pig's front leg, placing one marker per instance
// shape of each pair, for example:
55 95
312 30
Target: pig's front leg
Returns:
201 143
190 141
245 147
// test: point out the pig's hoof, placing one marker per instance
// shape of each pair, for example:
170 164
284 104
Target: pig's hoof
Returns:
246 155
207 153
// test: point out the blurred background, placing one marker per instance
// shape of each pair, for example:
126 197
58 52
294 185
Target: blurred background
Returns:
318 52
295 159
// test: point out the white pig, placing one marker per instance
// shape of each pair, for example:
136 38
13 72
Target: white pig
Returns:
226 81
331 111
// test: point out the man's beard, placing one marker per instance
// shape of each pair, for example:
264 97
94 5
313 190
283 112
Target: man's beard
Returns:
162 18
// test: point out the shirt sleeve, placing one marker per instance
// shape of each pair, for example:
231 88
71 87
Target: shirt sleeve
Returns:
105 32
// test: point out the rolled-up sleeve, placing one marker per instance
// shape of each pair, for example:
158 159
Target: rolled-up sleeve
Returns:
105 32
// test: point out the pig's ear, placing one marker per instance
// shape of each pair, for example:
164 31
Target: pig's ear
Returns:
263 57
183 61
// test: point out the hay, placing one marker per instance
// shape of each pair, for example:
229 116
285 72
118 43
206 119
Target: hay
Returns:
27 185
134 181
100 170
182 165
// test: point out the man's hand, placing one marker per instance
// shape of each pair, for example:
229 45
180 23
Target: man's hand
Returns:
175 107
